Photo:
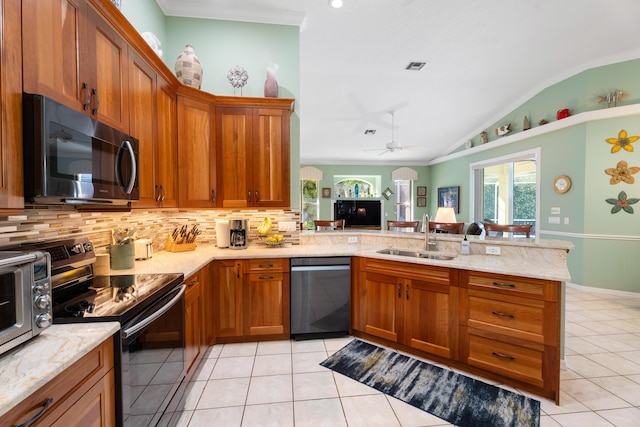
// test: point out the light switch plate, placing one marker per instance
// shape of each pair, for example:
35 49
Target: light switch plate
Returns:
554 220
353 239
555 211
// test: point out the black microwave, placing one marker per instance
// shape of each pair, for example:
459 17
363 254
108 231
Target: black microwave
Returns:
72 158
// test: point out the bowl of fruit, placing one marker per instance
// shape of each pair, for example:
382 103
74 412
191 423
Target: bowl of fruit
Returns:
274 241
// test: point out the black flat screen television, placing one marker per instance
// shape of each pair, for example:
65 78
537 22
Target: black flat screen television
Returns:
358 213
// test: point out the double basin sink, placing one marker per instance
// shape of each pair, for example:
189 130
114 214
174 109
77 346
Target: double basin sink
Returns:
416 254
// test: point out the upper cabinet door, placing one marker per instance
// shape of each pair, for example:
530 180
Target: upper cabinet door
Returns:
234 145
53 32
196 154
107 53
166 149
142 107
271 154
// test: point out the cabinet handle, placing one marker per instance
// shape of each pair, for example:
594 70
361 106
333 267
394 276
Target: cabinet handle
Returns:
249 196
407 291
266 277
399 290
503 356
40 413
504 285
195 282
257 198
498 313
94 91
238 265
87 96
213 196
159 193
265 265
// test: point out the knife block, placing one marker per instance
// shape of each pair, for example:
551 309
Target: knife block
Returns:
172 246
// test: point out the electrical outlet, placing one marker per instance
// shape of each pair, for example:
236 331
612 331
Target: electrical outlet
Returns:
566 220
493 250
286 226
353 239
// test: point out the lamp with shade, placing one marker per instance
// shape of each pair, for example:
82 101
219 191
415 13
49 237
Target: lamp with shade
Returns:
445 214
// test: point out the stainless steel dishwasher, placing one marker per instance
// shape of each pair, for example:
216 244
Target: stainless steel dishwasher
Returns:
320 297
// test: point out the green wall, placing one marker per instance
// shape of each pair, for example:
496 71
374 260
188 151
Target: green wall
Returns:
146 15
386 181
605 243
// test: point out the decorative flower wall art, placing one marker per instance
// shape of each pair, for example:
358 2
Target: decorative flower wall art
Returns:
623 141
622 172
622 203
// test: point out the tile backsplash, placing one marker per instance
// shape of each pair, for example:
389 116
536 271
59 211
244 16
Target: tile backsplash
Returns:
58 222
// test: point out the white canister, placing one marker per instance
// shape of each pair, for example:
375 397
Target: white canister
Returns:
222 233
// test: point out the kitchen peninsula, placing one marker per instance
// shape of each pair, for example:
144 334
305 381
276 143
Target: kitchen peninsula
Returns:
451 311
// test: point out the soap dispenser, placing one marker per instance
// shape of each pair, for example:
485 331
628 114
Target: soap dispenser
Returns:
464 247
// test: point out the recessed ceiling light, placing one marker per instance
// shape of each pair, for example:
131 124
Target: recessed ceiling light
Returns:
369 131
335 3
415 66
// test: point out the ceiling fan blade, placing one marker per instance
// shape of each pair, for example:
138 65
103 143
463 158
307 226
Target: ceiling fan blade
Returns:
411 147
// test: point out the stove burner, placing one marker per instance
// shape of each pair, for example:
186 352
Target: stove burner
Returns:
78 309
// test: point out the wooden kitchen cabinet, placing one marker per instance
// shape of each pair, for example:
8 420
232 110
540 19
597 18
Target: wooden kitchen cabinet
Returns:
196 150
413 305
227 299
165 161
142 106
194 325
253 147
83 394
510 326
267 298
11 168
251 299
71 54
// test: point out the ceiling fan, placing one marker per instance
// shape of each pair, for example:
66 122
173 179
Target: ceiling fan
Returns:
394 146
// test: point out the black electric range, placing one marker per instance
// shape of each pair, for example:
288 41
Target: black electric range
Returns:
150 365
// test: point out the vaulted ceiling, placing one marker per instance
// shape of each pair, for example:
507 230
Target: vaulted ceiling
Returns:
483 59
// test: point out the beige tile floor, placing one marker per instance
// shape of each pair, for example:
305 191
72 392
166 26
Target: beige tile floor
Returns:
281 383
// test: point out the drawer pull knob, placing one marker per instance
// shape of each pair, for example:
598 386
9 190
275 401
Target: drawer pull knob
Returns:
40 413
504 285
266 277
503 356
497 313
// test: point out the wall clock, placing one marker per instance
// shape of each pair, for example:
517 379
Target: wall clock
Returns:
561 184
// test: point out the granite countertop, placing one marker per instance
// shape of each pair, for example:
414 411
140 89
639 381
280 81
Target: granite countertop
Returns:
31 365
544 259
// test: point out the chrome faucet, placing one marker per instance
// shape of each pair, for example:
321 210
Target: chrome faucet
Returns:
425 227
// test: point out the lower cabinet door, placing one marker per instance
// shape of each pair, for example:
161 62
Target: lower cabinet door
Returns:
267 304
381 305
227 298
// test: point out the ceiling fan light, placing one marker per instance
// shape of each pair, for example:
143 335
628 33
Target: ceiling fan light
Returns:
335 3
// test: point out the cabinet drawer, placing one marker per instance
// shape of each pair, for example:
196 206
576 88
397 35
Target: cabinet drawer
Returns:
66 388
512 359
267 264
519 318
514 285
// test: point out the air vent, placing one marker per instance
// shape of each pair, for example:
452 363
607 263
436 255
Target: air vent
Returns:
370 132
415 66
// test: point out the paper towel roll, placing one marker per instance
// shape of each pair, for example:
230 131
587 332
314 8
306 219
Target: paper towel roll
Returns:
222 234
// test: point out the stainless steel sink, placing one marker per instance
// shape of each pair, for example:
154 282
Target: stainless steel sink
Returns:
416 254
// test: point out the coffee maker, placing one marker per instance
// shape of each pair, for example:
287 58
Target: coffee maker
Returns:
238 233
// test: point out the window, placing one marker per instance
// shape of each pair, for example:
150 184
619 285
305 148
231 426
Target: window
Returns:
310 203
505 189
403 205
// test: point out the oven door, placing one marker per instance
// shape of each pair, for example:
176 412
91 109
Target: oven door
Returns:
15 307
153 361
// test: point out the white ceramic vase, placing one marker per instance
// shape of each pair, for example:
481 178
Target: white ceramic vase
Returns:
188 68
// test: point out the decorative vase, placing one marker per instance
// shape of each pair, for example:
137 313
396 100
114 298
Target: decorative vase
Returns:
188 68
271 84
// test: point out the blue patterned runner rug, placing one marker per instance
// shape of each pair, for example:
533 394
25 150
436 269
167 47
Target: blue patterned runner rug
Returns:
453 397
